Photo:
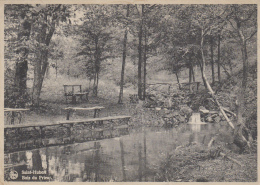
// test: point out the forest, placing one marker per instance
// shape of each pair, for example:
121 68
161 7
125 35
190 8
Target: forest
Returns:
134 58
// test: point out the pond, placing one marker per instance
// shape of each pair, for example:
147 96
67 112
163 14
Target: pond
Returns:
133 157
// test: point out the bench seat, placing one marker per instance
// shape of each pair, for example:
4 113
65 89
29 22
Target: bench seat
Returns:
109 118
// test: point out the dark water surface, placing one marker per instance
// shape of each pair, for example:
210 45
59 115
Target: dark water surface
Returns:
133 157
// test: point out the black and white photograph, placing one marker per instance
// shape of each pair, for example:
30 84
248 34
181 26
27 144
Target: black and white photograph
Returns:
129 92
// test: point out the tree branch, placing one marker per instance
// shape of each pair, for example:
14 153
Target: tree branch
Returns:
232 24
244 20
251 35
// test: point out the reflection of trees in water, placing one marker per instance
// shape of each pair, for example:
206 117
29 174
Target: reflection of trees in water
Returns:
14 159
68 164
36 160
122 158
96 169
91 164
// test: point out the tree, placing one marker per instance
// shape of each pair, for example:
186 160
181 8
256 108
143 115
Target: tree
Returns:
16 17
152 36
243 19
182 40
207 18
149 39
219 41
46 18
96 36
140 36
120 100
212 58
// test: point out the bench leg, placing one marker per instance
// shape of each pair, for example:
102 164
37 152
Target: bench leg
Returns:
68 114
87 97
95 113
12 117
74 101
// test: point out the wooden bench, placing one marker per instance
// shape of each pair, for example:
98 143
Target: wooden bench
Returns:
74 91
95 120
12 113
70 122
96 109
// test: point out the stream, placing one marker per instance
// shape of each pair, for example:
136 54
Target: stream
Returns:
133 157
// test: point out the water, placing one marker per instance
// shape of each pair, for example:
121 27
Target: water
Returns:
133 157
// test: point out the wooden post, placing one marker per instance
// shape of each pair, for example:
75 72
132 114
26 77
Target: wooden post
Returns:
68 114
12 117
95 113
87 96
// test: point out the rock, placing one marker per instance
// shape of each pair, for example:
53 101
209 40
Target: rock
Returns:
185 110
209 119
217 119
175 113
222 118
168 116
203 110
182 119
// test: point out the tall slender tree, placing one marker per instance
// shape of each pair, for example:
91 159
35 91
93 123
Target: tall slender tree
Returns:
120 100
140 48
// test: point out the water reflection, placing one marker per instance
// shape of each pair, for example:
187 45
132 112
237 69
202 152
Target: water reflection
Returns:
134 157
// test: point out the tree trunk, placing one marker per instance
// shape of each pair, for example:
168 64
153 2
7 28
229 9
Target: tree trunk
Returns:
120 99
56 69
140 35
21 69
21 66
219 37
94 83
177 77
192 71
97 84
241 94
96 65
41 62
145 59
190 78
206 81
39 73
201 70
212 59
